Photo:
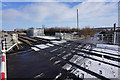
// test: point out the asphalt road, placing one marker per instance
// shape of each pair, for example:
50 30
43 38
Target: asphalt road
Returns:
30 64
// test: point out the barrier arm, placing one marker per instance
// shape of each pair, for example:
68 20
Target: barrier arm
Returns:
3 63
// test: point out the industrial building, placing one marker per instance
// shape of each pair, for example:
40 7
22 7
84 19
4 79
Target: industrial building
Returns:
66 36
35 32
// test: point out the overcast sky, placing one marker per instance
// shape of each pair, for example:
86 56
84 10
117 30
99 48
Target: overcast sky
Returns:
61 14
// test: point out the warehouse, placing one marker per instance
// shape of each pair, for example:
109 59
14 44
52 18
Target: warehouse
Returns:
65 36
35 32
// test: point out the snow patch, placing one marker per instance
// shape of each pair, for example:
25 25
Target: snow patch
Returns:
67 67
47 37
42 46
58 42
107 51
34 48
49 44
101 68
108 46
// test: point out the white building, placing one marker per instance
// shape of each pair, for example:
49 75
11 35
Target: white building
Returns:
66 36
35 32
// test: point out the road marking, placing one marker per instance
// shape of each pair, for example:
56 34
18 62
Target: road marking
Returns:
59 75
56 62
54 50
52 58
63 51
40 75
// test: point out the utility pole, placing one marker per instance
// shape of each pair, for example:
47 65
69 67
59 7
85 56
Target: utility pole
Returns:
114 41
77 22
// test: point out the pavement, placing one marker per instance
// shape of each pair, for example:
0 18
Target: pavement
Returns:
28 65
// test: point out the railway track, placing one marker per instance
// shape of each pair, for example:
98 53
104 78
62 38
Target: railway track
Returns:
67 61
81 49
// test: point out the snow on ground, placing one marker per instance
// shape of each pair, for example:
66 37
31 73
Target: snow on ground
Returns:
100 58
42 46
77 72
34 48
112 49
47 37
67 66
77 60
107 54
108 46
53 41
81 74
58 42
65 56
105 60
48 44
107 51
101 68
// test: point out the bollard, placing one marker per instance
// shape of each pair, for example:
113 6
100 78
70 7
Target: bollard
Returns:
3 63
3 67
